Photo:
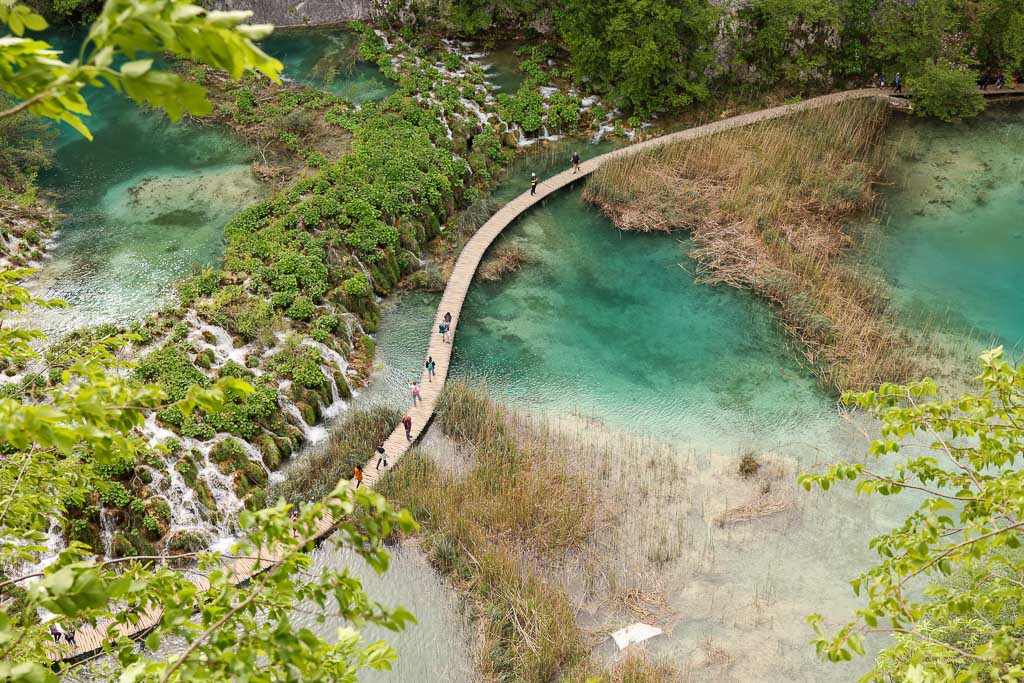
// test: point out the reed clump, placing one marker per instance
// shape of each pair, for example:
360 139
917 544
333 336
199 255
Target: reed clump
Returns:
315 474
496 526
768 208
504 260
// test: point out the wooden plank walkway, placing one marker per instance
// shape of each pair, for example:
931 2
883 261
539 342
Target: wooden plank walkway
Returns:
90 640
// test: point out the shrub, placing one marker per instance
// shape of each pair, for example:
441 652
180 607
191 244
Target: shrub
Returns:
302 308
946 91
245 101
356 286
114 493
151 525
748 465
171 368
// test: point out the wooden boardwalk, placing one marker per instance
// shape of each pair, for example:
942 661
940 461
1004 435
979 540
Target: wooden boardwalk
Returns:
90 640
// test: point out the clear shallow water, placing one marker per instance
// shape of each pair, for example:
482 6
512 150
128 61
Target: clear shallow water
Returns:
322 58
430 650
952 235
607 324
143 203
146 201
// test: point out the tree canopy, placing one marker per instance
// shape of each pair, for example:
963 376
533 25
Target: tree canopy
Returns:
962 457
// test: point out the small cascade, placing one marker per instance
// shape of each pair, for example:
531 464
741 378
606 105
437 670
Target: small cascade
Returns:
107 531
186 510
154 433
222 487
366 272
224 349
312 434
338 403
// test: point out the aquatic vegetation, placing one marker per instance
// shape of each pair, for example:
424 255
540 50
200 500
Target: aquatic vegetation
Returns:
351 443
768 208
498 528
503 260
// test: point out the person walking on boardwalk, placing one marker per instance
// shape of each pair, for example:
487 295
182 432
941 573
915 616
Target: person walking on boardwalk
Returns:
55 633
443 330
69 636
575 162
415 393
382 457
357 472
533 184
430 365
897 83
407 423
448 327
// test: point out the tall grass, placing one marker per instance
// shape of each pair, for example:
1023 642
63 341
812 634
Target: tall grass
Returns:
315 474
768 207
497 526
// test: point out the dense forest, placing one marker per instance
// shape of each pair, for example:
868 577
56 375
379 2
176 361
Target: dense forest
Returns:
661 55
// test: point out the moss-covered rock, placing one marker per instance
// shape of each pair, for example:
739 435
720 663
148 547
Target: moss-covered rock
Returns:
343 388
204 359
269 451
187 541
230 455
121 546
307 412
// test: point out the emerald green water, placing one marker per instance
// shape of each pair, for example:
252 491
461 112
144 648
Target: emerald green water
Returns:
952 236
146 200
324 58
608 325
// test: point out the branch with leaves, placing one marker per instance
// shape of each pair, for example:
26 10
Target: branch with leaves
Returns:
114 53
968 525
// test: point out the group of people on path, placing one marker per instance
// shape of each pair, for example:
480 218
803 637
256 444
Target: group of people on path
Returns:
58 634
575 170
444 328
879 81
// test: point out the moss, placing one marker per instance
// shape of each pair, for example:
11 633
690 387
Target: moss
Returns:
343 389
204 359
307 412
121 547
256 500
229 455
269 450
187 541
186 467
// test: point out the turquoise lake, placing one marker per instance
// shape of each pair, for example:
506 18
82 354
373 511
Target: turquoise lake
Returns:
601 325
952 233
323 58
145 202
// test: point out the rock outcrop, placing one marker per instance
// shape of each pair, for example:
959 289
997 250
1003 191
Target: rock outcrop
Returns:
302 12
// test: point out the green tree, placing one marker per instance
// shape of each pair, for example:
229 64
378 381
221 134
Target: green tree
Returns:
945 91
649 55
68 422
996 30
788 40
963 457
907 35
32 71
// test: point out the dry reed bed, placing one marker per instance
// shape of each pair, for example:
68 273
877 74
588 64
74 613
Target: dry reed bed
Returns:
767 207
500 528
